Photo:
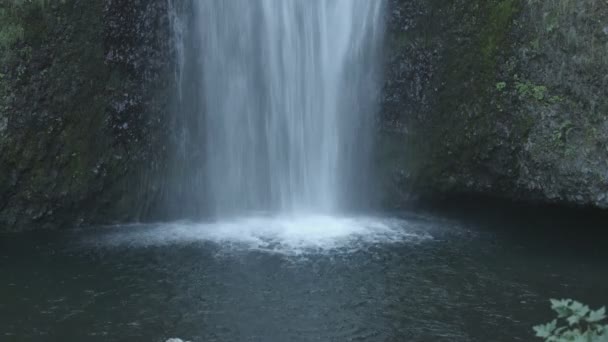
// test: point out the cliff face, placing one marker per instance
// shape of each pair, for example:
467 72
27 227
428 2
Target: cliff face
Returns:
506 98
83 108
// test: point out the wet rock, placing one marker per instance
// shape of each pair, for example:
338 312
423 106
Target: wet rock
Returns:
82 116
505 98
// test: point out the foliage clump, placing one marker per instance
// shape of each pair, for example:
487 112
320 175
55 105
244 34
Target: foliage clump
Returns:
575 322
527 89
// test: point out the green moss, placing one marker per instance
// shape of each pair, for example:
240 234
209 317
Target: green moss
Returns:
472 74
10 33
462 131
497 27
530 90
488 130
400 40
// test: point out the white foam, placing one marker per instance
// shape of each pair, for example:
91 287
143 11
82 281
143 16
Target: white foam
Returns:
281 234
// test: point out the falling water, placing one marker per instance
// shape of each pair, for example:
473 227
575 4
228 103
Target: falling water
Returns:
281 96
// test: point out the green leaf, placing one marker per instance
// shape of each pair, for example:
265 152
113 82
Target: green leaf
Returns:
562 303
577 323
579 308
574 319
545 330
602 338
581 338
597 315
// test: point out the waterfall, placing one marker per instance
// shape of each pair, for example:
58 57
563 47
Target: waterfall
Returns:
278 96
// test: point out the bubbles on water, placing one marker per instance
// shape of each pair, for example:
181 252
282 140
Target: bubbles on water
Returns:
291 235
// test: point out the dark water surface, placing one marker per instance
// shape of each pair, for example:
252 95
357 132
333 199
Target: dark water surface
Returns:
436 277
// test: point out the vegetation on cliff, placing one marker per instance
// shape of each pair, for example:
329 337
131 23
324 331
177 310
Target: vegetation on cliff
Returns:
80 117
504 98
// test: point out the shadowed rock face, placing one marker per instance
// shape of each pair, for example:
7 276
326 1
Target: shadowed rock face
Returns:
504 98
82 118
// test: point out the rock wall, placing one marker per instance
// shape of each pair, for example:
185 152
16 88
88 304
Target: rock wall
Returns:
506 98
83 111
